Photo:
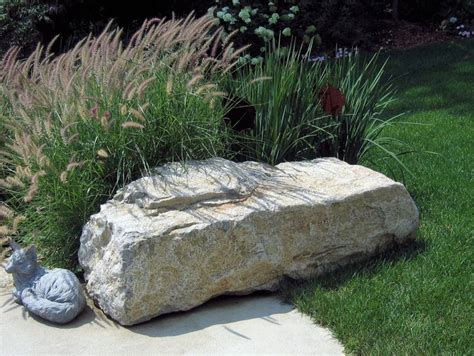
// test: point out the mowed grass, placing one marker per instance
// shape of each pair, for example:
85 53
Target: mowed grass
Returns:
419 298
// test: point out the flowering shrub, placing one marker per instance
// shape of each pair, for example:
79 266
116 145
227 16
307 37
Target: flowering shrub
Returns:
260 22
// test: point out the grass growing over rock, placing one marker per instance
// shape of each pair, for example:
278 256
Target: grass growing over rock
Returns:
80 125
418 300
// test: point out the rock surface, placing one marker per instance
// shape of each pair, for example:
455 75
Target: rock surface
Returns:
184 235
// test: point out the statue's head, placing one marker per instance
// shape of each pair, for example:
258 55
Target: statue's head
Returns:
22 261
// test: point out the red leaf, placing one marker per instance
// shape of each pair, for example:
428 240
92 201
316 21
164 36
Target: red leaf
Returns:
332 100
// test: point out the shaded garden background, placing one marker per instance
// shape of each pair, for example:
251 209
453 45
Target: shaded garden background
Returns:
337 22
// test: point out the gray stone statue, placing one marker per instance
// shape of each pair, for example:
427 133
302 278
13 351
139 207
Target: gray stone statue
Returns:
55 295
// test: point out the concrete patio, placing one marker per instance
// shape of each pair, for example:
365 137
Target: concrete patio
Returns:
256 324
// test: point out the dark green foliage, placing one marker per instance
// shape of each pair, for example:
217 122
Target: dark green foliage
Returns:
84 16
21 23
347 22
25 22
435 10
331 22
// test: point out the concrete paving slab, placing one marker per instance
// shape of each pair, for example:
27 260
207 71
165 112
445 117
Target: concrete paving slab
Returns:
256 324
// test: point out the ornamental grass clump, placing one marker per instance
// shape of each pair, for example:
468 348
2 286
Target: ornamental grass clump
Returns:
78 126
290 122
288 119
358 129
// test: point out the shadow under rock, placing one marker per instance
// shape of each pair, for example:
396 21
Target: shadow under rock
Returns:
222 310
367 267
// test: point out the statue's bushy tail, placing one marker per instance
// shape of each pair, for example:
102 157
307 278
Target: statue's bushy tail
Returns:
56 312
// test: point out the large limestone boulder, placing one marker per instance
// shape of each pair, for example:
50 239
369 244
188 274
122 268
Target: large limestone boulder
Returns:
173 240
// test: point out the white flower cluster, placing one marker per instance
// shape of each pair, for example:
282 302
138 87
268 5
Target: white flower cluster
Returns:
294 9
264 33
273 19
249 59
344 52
463 32
246 14
317 58
460 30
339 53
225 16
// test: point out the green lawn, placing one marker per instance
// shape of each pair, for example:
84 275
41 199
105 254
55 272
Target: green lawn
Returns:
418 299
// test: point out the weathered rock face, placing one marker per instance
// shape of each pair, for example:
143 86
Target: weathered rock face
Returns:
176 239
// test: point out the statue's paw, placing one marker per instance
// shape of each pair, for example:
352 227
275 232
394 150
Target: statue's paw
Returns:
16 296
26 293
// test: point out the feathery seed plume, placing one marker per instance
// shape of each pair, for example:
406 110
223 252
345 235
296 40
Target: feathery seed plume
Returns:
5 212
31 193
260 79
132 124
137 114
102 153
123 110
63 177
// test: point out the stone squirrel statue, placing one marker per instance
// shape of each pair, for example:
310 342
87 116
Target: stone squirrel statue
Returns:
55 295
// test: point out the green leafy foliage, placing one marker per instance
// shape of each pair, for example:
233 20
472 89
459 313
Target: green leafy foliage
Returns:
347 22
429 10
